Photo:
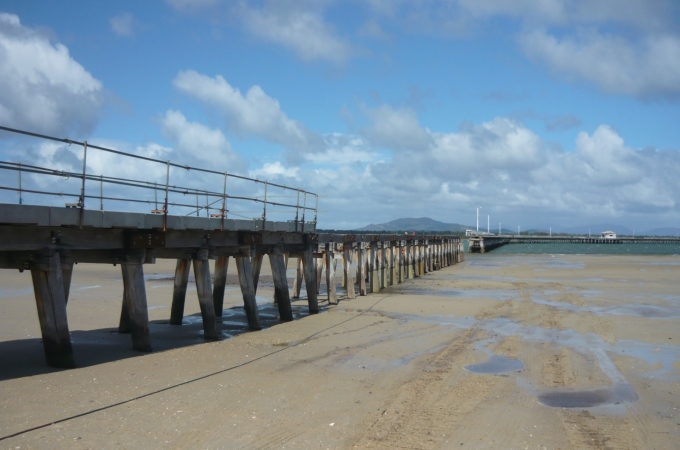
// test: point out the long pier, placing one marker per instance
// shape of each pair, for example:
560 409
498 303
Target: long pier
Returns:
49 241
483 244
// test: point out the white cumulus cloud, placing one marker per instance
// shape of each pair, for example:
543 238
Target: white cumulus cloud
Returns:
253 114
303 31
193 140
123 24
646 69
42 88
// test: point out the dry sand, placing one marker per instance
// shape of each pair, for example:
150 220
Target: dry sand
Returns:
599 334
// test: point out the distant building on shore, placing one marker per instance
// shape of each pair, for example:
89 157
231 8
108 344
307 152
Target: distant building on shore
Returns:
608 235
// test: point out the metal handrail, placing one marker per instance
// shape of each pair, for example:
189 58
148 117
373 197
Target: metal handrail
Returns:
166 187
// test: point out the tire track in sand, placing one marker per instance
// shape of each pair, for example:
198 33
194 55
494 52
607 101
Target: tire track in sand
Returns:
425 410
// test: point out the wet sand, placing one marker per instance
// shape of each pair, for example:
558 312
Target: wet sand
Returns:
502 351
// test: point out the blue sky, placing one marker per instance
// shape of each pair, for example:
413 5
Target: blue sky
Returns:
539 111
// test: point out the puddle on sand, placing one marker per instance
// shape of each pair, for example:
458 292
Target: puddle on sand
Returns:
633 309
496 364
158 276
617 394
457 276
496 294
549 262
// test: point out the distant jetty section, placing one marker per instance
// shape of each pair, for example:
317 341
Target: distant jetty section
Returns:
485 243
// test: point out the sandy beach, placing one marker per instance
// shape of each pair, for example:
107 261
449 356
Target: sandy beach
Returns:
501 352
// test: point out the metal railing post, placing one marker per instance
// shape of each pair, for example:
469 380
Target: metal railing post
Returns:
304 209
81 201
20 200
316 208
167 187
224 201
264 211
101 192
297 209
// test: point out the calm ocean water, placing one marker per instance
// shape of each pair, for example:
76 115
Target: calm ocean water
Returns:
588 249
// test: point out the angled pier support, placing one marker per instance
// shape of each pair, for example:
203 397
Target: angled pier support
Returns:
179 291
361 269
330 275
245 278
347 270
281 294
310 281
297 282
256 262
205 295
221 266
373 276
134 306
48 284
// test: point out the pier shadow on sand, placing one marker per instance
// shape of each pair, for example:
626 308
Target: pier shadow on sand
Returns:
25 357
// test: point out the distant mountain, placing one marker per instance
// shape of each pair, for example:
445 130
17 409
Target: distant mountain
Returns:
414 224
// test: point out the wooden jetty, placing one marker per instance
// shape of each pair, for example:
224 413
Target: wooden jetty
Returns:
49 241
485 243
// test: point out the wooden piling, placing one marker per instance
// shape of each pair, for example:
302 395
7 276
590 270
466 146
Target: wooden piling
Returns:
310 281
66 275
256 262
320 262
179 291
347 252
416 259
361 270
245 278
330 275
205 296
221 266
297 281
48 285
390 263
135 302
373 268
281 293
124 321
